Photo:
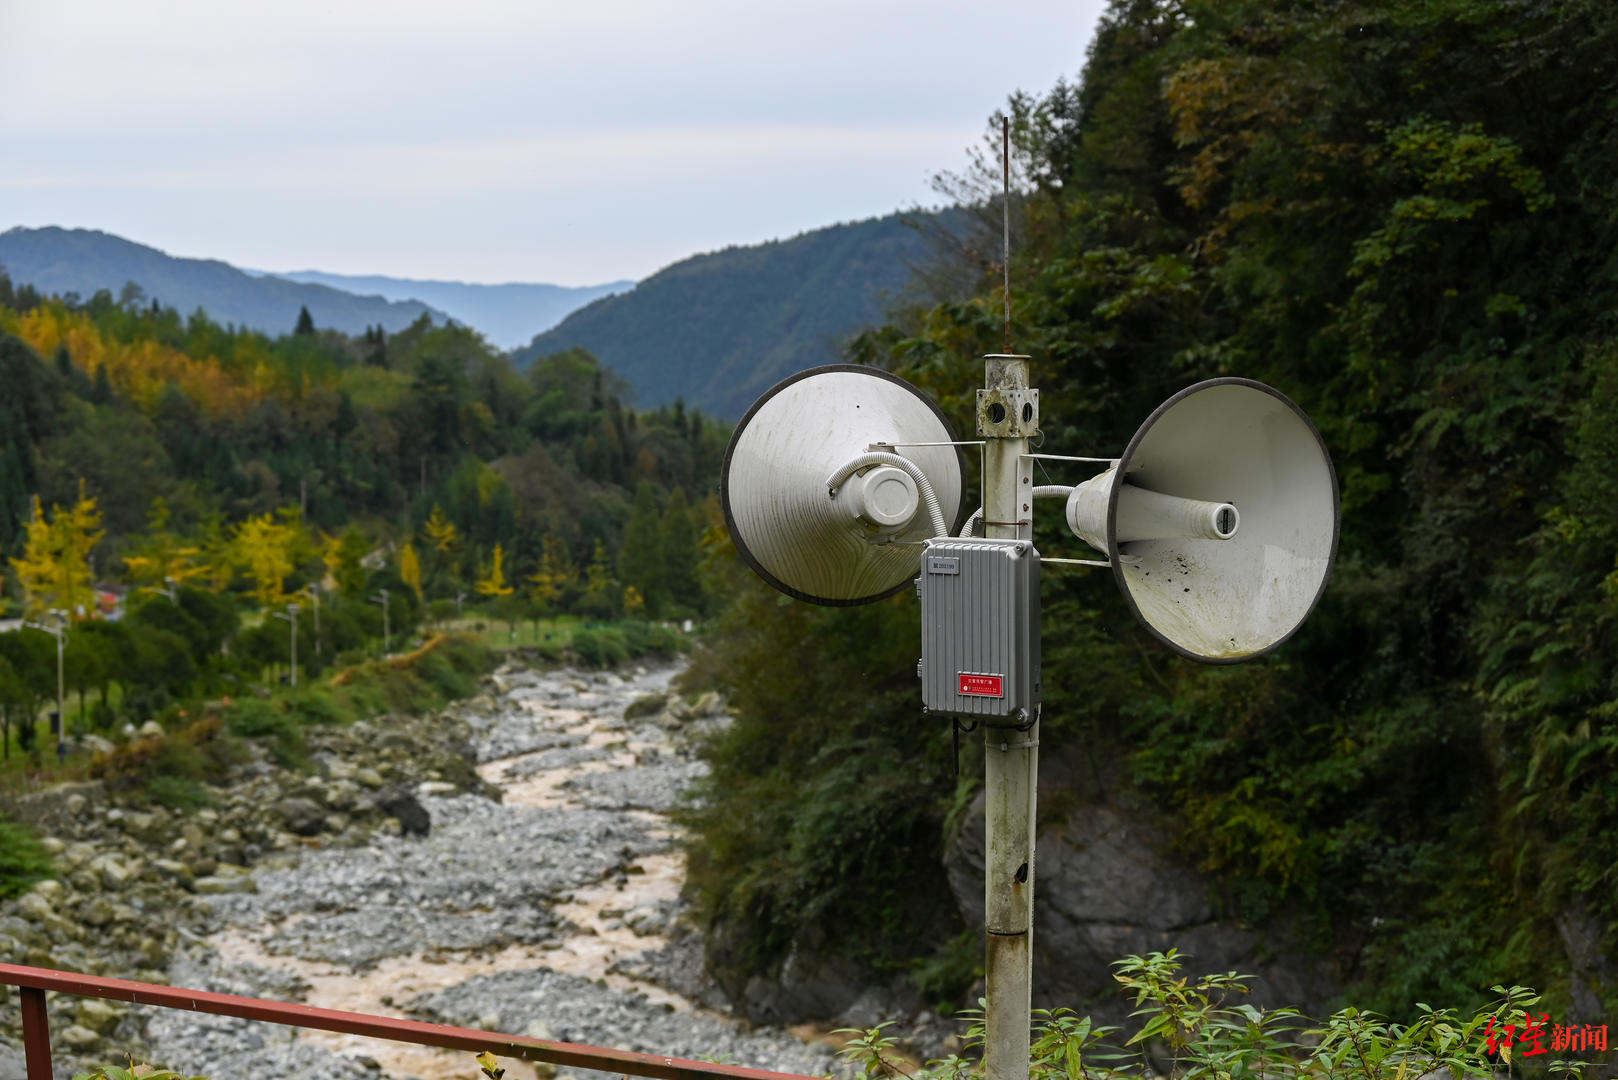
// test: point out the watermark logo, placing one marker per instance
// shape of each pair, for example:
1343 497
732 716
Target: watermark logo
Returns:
1531 1036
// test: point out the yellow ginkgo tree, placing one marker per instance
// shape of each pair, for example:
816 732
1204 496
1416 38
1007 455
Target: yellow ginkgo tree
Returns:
410 567
263 547
54 568
161 557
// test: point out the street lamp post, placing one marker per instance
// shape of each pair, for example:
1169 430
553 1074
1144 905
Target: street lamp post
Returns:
59 632
291 616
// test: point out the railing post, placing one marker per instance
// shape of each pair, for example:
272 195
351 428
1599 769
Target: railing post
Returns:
36 1034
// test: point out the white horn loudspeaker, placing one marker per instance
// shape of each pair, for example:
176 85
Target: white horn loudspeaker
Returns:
829 486
1220 520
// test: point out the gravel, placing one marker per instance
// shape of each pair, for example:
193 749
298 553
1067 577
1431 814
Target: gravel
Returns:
552 1005
488 875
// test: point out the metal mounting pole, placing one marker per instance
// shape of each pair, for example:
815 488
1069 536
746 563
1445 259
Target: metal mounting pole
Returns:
1008 412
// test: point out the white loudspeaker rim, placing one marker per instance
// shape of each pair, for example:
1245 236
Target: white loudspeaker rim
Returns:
740 542
1117 488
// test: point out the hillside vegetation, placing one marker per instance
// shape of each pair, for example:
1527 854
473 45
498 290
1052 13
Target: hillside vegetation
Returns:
1405 216
719 329
223 482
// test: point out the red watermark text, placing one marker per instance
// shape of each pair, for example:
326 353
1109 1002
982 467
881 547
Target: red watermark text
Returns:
1537 1035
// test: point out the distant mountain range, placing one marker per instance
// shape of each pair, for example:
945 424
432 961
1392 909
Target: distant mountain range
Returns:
83 261
721 328
715 329
508 315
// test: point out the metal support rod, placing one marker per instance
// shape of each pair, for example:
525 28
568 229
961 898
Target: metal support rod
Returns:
1008 779
1069 457
36 1034
1005 219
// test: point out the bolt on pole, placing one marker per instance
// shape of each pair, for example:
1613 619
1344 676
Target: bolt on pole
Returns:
1010 757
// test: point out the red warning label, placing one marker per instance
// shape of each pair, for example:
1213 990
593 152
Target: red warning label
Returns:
981 685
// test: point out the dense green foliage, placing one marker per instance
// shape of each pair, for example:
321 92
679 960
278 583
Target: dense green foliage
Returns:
1403 215
370 432
1186 1028
81 262
719 329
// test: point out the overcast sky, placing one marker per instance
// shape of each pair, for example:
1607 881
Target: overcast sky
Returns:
497 140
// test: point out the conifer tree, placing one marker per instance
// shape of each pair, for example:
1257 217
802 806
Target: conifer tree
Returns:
600 588
640 561
682 553
493 583
549 581
445 541
306 322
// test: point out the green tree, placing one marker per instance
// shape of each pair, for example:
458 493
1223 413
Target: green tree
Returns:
641 563
351 549
682 554
306 323
14 698
601 596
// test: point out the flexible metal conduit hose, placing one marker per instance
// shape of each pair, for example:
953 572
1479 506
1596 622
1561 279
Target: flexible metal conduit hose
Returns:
924 486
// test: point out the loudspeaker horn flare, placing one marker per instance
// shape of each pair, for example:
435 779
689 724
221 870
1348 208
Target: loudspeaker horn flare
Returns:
814 509
1220 520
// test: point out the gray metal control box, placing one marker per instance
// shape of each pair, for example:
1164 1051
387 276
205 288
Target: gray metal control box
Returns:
980 629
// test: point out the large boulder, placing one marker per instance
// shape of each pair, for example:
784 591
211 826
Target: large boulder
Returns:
1107 886
413 818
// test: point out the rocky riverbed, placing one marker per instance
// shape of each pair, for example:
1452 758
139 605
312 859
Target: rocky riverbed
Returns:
543 899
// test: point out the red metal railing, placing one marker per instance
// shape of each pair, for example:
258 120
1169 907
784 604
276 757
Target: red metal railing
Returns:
33 983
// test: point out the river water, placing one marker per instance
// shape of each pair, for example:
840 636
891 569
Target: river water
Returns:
555 912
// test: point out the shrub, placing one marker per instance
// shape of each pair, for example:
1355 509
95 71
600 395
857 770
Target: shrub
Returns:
1190 1029
255 719
315 705
22 860
177 793
600 648
642 639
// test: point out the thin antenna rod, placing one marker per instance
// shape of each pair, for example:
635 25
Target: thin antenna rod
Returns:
1005 208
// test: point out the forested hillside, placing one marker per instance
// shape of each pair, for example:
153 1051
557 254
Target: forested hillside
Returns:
211 478
82 262
719 329
1405 216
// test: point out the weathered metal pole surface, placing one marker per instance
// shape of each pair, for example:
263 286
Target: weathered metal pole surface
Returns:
1008 412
